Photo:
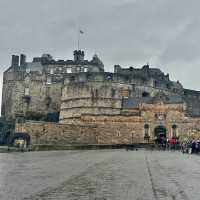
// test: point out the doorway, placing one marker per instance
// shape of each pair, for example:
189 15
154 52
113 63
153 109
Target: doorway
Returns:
160 134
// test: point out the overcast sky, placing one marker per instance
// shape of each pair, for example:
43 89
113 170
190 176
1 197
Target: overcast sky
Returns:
164 33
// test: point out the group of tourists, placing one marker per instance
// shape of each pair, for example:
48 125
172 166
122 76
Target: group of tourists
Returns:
190 146
168 144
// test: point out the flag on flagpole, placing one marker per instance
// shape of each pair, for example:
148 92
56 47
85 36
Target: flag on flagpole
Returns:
79 35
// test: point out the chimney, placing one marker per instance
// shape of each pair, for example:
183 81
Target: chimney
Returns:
15 61
78 55
22 59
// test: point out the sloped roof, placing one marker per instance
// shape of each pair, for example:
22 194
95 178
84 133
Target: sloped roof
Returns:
129 103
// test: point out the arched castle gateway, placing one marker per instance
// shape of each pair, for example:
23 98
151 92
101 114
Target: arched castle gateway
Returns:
96 107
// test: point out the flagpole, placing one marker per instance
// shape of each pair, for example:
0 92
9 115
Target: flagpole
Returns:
79 33
78 38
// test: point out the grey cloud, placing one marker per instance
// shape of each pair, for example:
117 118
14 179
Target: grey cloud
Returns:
185 46
127 32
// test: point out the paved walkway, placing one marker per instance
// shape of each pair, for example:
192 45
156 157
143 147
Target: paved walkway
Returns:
100 175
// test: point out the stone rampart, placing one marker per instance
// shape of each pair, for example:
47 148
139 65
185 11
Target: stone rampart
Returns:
58 134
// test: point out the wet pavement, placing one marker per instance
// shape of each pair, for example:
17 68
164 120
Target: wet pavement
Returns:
100 175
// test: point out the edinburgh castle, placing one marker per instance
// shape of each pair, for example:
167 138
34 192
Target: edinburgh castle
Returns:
76 102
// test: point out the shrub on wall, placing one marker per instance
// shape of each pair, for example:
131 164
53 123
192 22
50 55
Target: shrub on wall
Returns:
52 117
36 116
6 130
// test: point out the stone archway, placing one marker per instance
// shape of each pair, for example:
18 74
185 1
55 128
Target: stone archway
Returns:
21 139
160 133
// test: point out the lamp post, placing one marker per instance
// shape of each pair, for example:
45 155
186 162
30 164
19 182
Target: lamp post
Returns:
132 138
146 133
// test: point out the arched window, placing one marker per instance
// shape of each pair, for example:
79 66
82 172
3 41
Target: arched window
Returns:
174 130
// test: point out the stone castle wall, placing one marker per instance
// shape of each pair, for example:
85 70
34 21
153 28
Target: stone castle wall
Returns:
90 97
57 134
124 128
29 92
103 93
62 134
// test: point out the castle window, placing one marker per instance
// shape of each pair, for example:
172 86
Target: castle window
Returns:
51 71
48 80
78 69
69 70
26 92
145 94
